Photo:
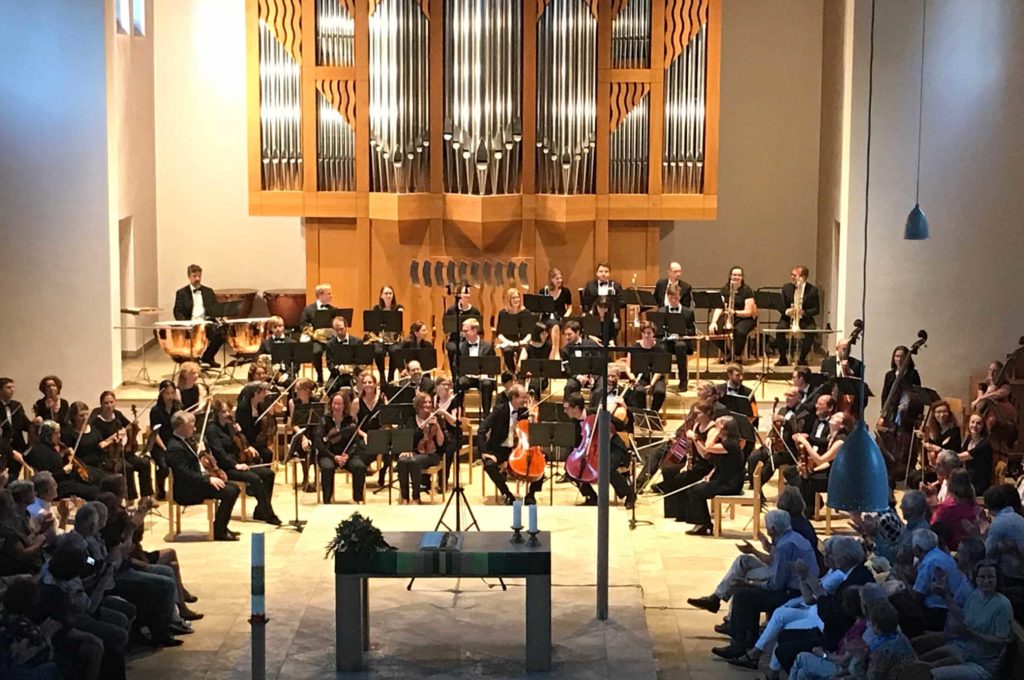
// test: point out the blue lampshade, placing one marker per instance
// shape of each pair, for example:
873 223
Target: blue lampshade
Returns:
917 225
859 481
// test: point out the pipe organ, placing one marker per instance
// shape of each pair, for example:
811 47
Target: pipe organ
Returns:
482 127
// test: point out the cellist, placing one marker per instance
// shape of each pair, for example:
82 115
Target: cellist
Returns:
496 439
574 408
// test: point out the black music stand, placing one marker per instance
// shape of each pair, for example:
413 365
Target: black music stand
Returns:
307 417
354 355
398 394
425 355
592 364
518 326
388 443
738 404
638 296
543 369
380 321
650 362
292 354
544 305
553 436
483 366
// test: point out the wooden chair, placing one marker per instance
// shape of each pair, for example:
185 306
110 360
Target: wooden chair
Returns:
820 503
755 501
174 510
242 496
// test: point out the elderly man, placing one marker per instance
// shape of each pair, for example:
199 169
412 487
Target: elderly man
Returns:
945 462
848 557
934 566
192 485
782 584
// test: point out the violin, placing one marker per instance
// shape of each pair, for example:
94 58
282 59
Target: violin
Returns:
428 442
206 459
246 454
77 466
527 462
679 453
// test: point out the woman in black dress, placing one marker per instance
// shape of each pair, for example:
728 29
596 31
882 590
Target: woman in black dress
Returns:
45 455
976 453
387 341
449 414
537 346
726 480
911 377
340 445
646 383
188 385
744 315
50 406
80 435
371 400
608 320
302 445
108 421
166 405
510 345
697 464
939 433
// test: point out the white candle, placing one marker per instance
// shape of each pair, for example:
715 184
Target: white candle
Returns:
533 519
517 514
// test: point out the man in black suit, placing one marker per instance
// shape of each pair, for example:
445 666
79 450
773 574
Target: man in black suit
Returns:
473 346
341 375
602 284
577 413
680 348
675 275
464 310
324 296
576 346
417 381
285 372
196 302
842 364
14 427
810 306
497 437
191 483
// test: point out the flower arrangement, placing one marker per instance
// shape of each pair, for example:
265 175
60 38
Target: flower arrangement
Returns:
357 535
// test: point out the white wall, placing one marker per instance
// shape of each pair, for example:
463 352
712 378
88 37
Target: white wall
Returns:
768 163
55 226
964 284
201 156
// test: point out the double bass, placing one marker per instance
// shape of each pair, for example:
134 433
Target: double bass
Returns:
845 402
1000 415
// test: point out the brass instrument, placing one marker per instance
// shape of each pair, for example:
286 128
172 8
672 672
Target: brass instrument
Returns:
321 335
730 308
798 309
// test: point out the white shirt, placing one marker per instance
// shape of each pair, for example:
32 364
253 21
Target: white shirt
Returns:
512 421
605 288
474 348
198 310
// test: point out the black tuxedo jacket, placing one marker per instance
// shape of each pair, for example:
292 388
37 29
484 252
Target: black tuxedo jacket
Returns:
486 348
269 342
16 430
349 341
307 314
183 302
494 429
685 292
190 481
742 390
810 309
590 294
830 367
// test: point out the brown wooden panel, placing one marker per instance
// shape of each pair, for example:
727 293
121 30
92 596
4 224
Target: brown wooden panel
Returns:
631 253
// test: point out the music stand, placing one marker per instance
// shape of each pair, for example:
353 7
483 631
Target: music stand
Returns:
639 296
380 321
543 369
518 326
666 324
650 363
292 354
544 305
928 397
322 318
553 436
351 355
388 443
488 365
308 418
425 355
737 404
398 394
708 300
591 364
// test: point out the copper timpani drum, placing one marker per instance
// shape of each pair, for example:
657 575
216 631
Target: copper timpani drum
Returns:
245 335
246 295
181 340
286 303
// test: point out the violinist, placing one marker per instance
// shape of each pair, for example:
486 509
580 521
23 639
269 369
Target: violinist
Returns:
223 442
574 409
448 407
340 444
166 405
780 445
51 406
14 426
192 483
253 402
816 429
303 444
188 385
575 346
811 474
49 454
537 346
81 436
802 382
257 373
427 443
324 297
385 343
976 453
371 401
418 338
940 432
674 304
119 438
738 313
726 479
496 437
699 426
465 310
473 346
510 347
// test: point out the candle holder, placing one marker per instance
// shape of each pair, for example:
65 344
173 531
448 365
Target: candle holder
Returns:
517 535
534 542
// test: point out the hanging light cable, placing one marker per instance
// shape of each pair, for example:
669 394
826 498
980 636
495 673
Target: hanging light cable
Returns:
917 224
859 481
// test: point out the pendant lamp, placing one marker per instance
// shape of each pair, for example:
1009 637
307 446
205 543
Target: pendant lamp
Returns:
916 228
858 480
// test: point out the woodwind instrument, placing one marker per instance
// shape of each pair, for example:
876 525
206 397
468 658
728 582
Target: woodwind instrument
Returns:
730 308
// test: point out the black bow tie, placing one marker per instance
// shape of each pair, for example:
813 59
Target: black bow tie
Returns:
196 290
474 344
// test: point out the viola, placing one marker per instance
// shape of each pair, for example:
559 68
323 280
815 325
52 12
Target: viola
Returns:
679 452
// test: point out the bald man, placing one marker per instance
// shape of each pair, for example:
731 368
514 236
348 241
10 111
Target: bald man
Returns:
674 275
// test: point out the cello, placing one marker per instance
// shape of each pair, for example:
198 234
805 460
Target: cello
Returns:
999 414
526 462
581 464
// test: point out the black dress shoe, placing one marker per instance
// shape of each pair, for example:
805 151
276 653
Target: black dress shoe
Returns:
782 362
226 536
212 363
745 661
630 501
730 651
700 530
274 519
167 641
590 500
508 500
711 603
722 628
530 500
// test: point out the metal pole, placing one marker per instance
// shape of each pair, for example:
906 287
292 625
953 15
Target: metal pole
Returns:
258 618
603 473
